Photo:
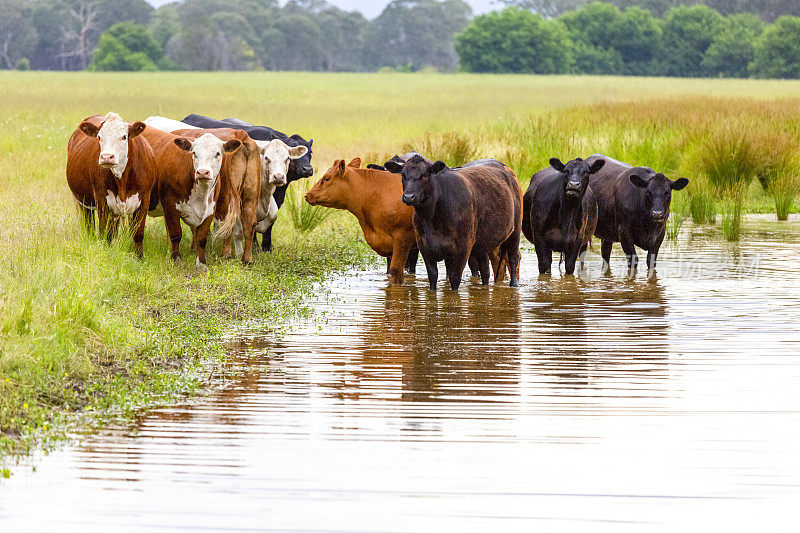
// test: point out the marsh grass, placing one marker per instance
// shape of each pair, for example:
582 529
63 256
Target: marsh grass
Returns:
452 147
304 216
678 212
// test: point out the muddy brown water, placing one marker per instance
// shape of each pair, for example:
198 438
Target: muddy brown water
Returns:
604 404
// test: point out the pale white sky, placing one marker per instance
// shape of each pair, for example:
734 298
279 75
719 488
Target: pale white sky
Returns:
373 8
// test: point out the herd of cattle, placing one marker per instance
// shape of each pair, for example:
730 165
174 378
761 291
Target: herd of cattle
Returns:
234 174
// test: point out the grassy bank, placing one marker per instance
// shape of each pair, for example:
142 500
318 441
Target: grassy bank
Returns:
84 326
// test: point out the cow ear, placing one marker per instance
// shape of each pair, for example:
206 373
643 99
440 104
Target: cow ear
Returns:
639 181
89 129
557 164
394 166
240 134
183 143
135 129
438 167
341 166
679 184
373 166
232 145
296 152
595 167
310 142
355 163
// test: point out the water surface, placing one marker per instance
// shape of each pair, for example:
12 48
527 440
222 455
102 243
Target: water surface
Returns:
568 405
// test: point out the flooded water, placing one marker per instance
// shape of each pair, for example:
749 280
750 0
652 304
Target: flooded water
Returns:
568 405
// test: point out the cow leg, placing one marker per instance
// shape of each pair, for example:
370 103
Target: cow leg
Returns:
388 264
510 250
113 227
266 239
545 256
411 262
630 253
582 257
570 258
474 268
249 220
605 253
201 239
484 268
139 220
498 263
173 222
433 270
88 219
455 269
256 247
398 260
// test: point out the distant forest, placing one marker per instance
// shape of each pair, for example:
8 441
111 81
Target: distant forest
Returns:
638 37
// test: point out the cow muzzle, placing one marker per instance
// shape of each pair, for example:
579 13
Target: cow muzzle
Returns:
278 180
203 174
659 216
409 199
573 190
307 171
107 160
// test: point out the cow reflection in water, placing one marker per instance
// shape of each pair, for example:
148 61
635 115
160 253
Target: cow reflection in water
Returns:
597 339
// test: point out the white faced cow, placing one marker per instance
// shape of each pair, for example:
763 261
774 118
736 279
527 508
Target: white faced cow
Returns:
111 169
275 158
189 177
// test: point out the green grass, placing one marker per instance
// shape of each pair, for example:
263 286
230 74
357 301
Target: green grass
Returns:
84 327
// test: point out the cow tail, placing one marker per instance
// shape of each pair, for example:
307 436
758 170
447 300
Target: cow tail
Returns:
225 229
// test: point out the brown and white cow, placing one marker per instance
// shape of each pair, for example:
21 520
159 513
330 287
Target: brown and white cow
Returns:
111 169
241 186
189 186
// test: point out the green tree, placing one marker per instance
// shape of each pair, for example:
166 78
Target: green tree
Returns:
777 51
733 48
688 32
515 40
128 47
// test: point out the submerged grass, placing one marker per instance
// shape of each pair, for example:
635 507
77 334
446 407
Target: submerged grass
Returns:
85 326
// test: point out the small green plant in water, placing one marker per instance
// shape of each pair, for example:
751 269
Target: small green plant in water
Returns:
305 216
677 216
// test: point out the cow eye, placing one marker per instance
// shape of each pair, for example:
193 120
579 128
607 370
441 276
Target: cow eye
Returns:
124 137
218 154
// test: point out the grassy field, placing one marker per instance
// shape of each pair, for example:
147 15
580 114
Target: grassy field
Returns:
86 327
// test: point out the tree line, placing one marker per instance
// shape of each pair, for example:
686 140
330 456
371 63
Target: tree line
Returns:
601 38
227 35
627 37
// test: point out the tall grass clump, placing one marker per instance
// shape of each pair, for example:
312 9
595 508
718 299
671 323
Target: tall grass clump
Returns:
454 148
780 175
677 216
731 158
304 216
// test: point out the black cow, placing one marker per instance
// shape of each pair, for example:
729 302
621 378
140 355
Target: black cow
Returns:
461 212
298 168
633 208
559 212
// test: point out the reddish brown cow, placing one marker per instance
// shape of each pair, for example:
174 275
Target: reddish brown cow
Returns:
375 198
111 169
241 187
189 186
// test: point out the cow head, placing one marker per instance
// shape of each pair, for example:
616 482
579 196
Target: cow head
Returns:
417 173
576 175
276 157
333 189
114 136
301 167
658 192
207 153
